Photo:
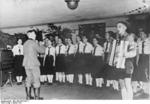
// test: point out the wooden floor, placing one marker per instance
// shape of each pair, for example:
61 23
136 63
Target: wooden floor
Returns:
57 91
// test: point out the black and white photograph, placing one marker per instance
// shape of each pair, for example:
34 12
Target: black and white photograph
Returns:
74 50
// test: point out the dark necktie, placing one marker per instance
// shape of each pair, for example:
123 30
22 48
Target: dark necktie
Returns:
106 46
143 47
94 50
68 50
49 51
84 48
78 47
59 49
19 51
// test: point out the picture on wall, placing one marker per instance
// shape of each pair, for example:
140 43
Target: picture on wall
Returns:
91 30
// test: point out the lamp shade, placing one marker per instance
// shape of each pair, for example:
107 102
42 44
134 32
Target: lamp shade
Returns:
72 4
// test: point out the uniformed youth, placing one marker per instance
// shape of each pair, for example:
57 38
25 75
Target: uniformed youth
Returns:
60 61
49 61
142 74
79 59
43 77
87 53
97 63
107 51
70 53
18 57
124 53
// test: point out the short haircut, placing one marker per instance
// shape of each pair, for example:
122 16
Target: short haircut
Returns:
127 24
124 23
30 31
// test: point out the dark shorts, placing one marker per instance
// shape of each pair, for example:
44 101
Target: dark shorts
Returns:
121 74
33 76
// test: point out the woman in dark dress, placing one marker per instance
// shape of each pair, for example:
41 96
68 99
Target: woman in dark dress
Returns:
18 59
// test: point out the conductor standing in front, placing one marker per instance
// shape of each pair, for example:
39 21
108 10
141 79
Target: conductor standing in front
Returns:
32 64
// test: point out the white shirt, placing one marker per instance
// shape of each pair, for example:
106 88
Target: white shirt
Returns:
146 47
107 45
51 51
70 49
62 49
139 44
88 48
16 49
99 51
81 45
132 50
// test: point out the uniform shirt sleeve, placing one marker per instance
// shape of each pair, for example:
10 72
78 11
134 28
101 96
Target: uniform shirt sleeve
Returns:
132 51
147 46
99 51
14 50
89 48
56 49
63 49
81 47
75 47
21 49
46 51
72 49
53 51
